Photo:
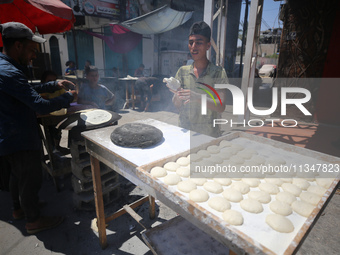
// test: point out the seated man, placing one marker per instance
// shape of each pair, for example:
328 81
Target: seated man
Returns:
95 94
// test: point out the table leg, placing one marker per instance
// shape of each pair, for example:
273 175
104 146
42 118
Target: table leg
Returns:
126 105
133 94
98 196
152 207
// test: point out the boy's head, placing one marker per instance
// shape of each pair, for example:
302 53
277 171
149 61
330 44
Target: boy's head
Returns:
92 76
199 40
200 28
48 75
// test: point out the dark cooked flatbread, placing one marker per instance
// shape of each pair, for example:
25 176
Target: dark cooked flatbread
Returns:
136 135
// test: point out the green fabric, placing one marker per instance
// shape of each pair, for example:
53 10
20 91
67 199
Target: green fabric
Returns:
190 116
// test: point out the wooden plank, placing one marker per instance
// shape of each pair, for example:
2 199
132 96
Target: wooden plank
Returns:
98 196
122 211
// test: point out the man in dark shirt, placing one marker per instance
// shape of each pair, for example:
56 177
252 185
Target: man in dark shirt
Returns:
20 143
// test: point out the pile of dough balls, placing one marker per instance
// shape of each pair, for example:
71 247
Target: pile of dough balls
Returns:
283 196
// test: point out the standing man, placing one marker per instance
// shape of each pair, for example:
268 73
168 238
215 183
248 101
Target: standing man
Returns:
20 142
195 80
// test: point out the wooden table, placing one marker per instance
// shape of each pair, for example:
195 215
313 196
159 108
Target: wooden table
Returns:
125 161
129 81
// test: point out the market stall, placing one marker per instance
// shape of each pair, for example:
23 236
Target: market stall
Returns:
254 235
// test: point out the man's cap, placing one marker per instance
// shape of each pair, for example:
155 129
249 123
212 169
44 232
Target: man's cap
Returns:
200 28
19 30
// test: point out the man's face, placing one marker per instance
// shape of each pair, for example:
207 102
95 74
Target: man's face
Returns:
27 51
93 78
198 46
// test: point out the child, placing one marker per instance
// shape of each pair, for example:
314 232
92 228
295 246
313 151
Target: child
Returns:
95 94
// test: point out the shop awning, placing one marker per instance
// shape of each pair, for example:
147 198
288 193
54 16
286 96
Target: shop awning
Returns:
157 21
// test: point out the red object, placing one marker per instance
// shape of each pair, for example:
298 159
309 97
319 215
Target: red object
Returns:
44 16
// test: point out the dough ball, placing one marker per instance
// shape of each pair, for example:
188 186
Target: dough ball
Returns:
286 197
198 181
203 154
258 159
251 205
241 186
236 179
194 157
158 172
291 188
316 189
261 196
301 183
324 182
216 158
281 208
310 198
275 161
171 166
225 143
279 223
232 195
183 171
198 195
244 154
183 161
237 147
276 181
172 179
214 149
233 217
186 186
219 204
302 208
310 179
213 187
252 182
223 181
269 188
236 160
227 152
289 180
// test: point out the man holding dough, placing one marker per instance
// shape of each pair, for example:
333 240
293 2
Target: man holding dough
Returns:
195 80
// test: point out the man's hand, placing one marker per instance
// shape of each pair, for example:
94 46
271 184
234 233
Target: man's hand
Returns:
67 85
75 95
186 95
